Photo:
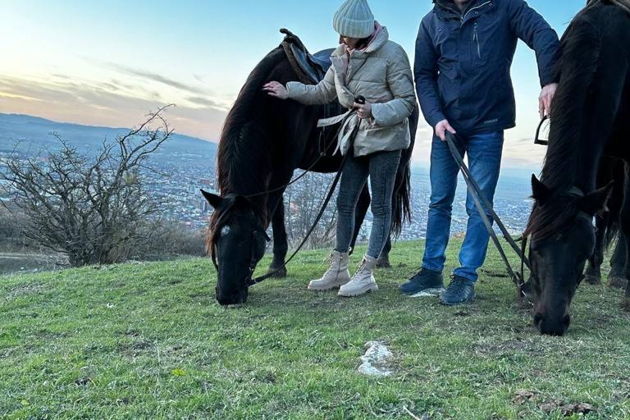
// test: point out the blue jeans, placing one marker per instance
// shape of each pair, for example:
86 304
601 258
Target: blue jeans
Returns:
484 160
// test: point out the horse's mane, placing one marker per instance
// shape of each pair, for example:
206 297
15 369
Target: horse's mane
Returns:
580 47
624 4
240 166
236 148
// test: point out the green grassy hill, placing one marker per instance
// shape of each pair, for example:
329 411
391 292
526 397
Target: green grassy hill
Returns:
149 341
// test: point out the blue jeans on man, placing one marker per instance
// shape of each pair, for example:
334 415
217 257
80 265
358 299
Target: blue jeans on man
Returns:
484 159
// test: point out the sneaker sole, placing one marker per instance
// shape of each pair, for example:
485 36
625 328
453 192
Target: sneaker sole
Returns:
326 289
368 289
471 300
427 293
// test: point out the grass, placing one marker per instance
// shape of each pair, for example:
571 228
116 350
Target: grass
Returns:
149 341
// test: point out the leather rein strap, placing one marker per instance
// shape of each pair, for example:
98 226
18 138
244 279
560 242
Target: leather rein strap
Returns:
331 191
483 206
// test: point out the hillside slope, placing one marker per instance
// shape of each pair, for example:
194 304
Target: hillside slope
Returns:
149 341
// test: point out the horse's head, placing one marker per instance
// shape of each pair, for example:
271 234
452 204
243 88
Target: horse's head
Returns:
562 239
236 241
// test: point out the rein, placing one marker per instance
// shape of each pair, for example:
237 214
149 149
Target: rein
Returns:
302 175
483 206
331 191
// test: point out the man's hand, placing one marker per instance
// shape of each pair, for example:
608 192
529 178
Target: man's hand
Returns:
442 127
546 99
364 111
277 90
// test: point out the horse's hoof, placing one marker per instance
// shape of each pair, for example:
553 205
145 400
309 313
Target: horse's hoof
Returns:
278 273
626 304
383 263
591 279
618 282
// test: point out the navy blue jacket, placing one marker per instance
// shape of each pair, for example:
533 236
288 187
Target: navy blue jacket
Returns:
463 60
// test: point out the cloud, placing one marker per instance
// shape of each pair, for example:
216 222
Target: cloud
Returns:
156 78
203 101
96 103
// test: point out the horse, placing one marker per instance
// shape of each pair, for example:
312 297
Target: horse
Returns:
263 141
590 120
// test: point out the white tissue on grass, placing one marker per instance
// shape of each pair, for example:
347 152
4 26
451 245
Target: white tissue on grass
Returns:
376 359
428 293
425 294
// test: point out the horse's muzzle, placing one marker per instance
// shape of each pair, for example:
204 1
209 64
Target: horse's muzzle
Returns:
555 326
234 298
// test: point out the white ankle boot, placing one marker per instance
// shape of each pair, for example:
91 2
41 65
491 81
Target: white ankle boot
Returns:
337 274
362 281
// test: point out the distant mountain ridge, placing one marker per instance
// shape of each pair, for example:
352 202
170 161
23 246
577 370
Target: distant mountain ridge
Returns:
33 134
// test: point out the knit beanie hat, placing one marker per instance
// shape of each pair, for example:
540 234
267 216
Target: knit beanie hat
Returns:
354 19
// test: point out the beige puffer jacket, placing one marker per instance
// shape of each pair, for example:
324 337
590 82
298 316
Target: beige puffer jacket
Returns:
382 74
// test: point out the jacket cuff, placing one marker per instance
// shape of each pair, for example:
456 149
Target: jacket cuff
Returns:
548 79
379 114
294 89
435 118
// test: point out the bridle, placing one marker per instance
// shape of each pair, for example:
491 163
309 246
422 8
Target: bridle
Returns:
571 192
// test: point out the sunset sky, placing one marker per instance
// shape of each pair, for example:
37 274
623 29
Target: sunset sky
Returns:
110 62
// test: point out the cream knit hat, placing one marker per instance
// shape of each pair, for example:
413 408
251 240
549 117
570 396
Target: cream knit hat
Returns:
354 19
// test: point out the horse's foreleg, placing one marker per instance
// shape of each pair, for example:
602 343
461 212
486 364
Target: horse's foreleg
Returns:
383 260
616 277
280 245
359 214
625 237
592 273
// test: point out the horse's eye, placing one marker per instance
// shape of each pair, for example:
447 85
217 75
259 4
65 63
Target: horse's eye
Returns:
225 230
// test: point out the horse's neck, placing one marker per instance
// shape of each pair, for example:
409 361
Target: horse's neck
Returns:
244 165
587 166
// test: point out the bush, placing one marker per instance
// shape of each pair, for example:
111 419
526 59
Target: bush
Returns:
90 209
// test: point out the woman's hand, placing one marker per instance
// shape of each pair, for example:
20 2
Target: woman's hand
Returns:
277 90
364 111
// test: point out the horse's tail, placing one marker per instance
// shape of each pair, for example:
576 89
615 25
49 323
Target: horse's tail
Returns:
401 209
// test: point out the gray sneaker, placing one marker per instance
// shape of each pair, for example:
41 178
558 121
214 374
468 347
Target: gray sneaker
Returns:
461 290
424 283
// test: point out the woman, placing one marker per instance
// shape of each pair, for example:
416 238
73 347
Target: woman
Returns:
365 64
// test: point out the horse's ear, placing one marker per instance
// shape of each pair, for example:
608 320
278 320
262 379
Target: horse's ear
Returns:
540 192
214 200
596 201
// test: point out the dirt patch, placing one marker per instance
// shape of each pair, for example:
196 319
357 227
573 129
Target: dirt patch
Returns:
523 396
567 409
135 348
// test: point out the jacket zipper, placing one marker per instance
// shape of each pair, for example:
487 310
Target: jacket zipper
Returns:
476 40
474 8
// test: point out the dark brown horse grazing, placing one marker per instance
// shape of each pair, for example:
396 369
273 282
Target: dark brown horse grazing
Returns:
590 120
263 141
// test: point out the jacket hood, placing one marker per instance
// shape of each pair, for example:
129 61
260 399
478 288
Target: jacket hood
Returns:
380 39
449 5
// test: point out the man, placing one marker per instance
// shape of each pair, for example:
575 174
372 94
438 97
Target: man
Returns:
464 52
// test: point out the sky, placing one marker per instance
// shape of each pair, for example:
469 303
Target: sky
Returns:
109 63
